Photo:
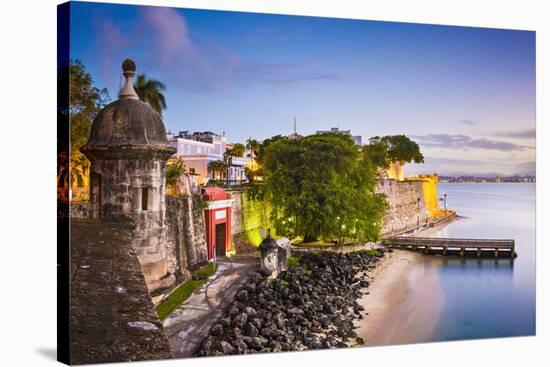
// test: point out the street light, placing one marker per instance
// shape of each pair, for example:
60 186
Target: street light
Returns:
444 198
417 212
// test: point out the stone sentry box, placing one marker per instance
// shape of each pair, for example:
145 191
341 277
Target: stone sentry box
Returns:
274 255
128 150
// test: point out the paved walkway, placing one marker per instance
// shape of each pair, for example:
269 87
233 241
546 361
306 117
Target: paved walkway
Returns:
190 323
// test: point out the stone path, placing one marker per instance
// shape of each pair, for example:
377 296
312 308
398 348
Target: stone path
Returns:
190 323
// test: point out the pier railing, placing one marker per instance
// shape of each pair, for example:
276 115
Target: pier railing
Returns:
460 246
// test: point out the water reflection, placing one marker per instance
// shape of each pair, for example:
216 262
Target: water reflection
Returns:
488 297
505 266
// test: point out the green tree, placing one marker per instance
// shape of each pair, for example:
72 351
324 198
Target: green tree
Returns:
392 148
322 186
253 147
235 152
85 102
264 145
216 167
174 171
151 91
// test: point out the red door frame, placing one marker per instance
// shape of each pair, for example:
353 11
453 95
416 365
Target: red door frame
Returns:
218 211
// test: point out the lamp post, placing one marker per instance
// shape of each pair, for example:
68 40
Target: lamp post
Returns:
444 198
417 212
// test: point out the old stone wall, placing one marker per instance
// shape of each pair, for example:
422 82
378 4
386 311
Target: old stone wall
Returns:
405 211
249 218
185 235
133 188
112 317
236 213
79 210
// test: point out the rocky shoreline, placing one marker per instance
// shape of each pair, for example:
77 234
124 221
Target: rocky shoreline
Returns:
313 305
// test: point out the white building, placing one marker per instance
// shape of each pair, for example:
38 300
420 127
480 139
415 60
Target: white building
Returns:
198 149
356 138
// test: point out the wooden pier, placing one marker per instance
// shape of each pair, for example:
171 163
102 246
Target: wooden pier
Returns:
455 246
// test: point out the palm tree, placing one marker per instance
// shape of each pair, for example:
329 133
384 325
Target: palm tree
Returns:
253 146
216 166
235 152
150 91
238 150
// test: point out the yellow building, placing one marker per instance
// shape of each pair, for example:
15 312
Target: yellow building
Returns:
396 171
429 193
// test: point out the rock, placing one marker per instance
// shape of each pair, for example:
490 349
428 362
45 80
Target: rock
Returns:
239 345
279 321
256 322
254 342
240 320
312 306
232 311
267 332
226 322
251 330
250 311
242 295
236 332
226 348
216 330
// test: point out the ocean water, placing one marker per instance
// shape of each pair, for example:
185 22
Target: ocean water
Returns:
488 298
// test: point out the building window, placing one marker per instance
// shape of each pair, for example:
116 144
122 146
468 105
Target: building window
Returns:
144 198
192 170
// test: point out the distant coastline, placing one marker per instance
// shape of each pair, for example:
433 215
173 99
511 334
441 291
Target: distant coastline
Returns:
485 182
488 179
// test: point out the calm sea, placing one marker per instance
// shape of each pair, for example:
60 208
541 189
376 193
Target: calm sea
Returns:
488 298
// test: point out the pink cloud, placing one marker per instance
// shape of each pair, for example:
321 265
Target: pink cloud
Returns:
170 32
161 43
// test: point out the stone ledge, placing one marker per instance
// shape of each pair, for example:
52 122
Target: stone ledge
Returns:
112 317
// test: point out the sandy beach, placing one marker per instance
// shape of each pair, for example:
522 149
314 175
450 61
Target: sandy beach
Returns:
400 276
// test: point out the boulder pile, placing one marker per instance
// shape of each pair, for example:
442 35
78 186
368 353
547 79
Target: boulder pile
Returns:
312 305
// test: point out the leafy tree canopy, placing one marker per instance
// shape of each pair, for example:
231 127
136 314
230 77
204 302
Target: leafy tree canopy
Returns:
263 146
236 151
322 186
174 171
391 148
85 102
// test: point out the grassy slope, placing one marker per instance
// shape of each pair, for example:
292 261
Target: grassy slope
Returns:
184 291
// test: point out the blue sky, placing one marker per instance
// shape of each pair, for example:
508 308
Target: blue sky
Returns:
467 95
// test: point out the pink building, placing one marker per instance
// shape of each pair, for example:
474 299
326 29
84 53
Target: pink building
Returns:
198 149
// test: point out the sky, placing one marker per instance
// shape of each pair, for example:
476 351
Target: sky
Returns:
466 95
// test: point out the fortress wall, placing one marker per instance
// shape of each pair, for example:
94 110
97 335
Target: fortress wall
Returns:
185 235
248 218
404 210
112 316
